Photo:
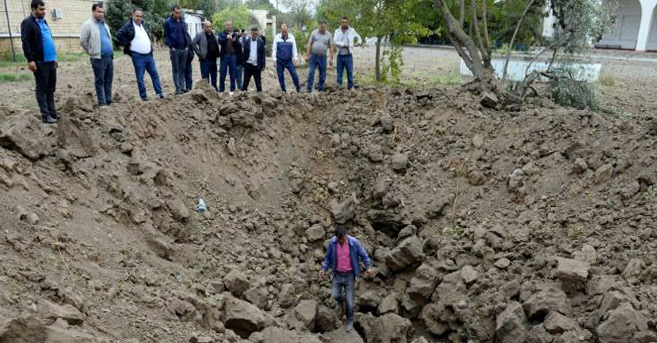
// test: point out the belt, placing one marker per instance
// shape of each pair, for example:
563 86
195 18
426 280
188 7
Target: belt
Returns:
345 273
106 55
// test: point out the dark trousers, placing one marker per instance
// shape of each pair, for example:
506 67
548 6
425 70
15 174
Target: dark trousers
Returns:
209 71
251 70
346 62
317 61
146 63
239 76
178 66
188 75
46 82
228 64
103 76
280 69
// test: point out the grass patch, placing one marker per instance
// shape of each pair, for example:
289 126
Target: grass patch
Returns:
575 232
14 77
607 80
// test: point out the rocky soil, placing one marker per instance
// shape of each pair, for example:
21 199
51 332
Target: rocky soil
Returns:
533 225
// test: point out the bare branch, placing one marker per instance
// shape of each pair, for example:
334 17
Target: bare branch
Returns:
513 40
484 20
462 13
475 23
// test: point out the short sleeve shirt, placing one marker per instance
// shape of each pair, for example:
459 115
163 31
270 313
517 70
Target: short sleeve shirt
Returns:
321 42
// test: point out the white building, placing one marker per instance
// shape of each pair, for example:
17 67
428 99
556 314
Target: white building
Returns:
194 20
635 27
266 21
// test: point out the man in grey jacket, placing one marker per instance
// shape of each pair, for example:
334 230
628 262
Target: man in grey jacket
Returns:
207 49
96 40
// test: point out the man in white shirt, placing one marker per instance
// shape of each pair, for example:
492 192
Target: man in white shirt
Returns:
134 36
253 59
284 53
344 39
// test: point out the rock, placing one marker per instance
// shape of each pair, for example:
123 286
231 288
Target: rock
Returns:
556 323
620 324
242 317
580 166
587 254
645 337
342 336
387 123
435 317
423 283
390 328
633 270
549 298
315 233
236 282
326 319
399 162
572 273
502 263
183 309
469 274
381 188
489 99
344 211
408 231
160 246
178 210
305 312
537 334
19 135
22 330
50 312
257 296
420 340
368 301
511 324
577 336
60 333
451 291
408 252
603 174
389 304
279 335
478 141
287 297
201 339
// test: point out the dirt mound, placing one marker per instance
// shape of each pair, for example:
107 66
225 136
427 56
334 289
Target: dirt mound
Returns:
484 226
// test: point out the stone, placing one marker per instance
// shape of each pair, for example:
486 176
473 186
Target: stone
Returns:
50 312
489 99
368 301
201 339
183 309
408 252
315 233
399 162
326 319
572 273
587 254
620 324
420 340
287 297
242 317
511 324
18 135
630 189
603 174
423 283
236 282
305 312
478 141
537 334
469 274
549 298
22 330
178 210
342 336
633 270
381 188
577 336
435 318
390 328
257 296
61 333
580 166
556 323
503 263
645 336
389 304
387 123
451 291
344 211
410 230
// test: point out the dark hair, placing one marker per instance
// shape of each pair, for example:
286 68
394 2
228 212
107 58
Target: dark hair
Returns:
254 29
175 7
322 21
345 18
135 9
96 6
36 3
243 30
340 231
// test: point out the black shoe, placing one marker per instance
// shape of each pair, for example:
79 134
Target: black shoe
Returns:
161 96
108 102
144 99
49 120
54 116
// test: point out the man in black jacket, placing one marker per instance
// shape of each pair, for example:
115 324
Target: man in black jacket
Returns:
253 59
230 48
135 38
206 47
189 71
41 54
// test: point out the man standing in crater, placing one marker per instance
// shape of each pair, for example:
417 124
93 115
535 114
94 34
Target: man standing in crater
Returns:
342 258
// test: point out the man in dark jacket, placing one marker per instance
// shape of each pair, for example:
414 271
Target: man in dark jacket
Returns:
206 47
230 48
136 39
253 59
41 54
190 58
176 40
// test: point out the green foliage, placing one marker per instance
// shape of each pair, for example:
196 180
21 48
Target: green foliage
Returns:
392 65
14 77
566 91
209 7
269 36
504 16
259 5
240 16
155 11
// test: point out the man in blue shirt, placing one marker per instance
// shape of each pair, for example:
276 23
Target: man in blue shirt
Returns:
96 40
41 54
176 38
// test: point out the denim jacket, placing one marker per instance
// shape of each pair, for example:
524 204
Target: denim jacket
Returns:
356 250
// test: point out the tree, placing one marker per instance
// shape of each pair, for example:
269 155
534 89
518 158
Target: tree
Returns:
580 21
299 12
240 16
259 5
155 11
209 7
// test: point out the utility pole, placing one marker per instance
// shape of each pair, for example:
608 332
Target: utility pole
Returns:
11 36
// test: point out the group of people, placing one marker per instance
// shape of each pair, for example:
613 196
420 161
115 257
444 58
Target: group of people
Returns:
241 56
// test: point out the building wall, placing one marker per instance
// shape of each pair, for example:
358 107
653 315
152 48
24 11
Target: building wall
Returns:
626 30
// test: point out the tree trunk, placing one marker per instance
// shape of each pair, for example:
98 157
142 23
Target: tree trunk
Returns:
378 58
462 13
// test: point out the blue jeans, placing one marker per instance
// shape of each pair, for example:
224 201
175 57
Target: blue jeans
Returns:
346 62
178 66
146 63
280 69
103 76
239 76
345 282
209 71
317 61
188 76
228 64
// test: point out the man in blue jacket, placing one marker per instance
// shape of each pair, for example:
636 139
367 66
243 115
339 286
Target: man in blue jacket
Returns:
253 59
175 38
342 258
285 54
230 48
41 54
